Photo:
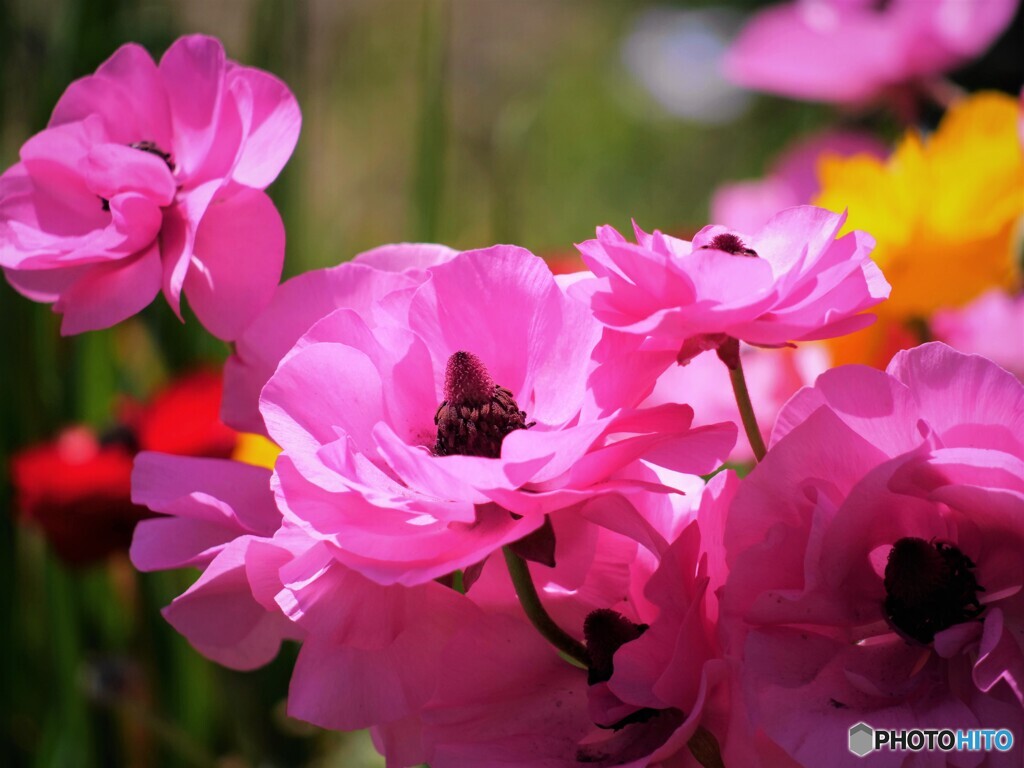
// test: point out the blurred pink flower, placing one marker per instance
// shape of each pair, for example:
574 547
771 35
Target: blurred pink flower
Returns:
151 177
853 50
773 376
669 299
417 442
991 326
300 302
874 555
791 180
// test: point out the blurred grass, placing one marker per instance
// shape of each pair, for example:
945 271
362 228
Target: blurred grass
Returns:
463 121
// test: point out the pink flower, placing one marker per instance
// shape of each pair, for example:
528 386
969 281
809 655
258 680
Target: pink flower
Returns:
875 569
991 326
417 442
669 299
506 692
791 180
440 676
150 177
368 652
842 51
299 303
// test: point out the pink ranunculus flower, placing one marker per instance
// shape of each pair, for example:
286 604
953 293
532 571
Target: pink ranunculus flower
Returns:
791 180
300 302
669 300
991 326
151 177
850 51
417 442
506 692
369 652
875 569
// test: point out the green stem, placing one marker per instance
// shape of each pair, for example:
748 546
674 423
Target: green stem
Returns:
739 388
530 600
429 169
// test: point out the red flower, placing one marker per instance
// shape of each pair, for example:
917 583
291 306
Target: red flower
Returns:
184 419
77 488
77 491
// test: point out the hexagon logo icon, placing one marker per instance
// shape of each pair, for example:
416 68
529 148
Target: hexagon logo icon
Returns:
862 739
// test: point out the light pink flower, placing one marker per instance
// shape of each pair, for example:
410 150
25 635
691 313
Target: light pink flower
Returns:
669 300
991 326
150 177
300 302
792 179
852 50
875 569
416 446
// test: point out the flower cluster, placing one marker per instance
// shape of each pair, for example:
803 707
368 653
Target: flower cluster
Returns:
491 503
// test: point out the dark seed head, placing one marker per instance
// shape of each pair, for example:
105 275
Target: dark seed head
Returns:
730 243
929 587
476 413
153 149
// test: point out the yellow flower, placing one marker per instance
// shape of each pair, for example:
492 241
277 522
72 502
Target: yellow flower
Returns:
943 209
256 450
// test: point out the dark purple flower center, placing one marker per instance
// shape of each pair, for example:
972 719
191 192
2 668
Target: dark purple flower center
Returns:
476 413
730 243
929 587
152 148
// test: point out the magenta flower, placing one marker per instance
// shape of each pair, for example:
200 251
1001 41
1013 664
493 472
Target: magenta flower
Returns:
299 303
416 446
368 652
150 177
991 326
875 569
669 299
842 51
791 180
440 676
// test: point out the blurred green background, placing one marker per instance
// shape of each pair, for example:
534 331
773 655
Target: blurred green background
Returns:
467 122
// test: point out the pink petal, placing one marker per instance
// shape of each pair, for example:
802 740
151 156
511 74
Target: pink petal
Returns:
127 94
219 616
114 168
237 260
110 293
273 125
177 238
192 71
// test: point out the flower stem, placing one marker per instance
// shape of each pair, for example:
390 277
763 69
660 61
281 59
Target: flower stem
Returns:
739 388
530 600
